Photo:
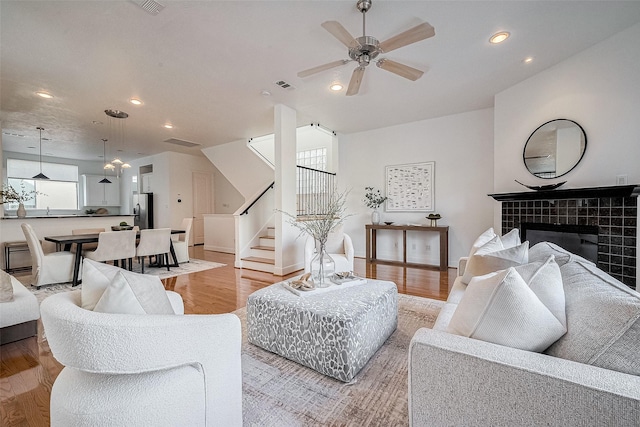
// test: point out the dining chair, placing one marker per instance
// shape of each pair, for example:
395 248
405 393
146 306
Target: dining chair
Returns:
86 246
49 269
181 241
154 242
114 246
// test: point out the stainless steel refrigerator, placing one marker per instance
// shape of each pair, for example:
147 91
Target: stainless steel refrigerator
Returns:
143 210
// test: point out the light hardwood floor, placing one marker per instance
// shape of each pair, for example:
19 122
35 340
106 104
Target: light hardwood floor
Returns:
28 369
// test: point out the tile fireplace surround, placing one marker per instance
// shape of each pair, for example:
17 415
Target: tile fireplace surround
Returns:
614 210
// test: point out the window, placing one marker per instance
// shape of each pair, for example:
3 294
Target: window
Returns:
60 191
315 159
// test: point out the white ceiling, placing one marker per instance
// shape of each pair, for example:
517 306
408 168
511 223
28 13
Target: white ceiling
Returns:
201 65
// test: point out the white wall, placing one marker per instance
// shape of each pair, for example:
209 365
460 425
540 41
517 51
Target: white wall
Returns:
235 160
600 89
172 176
461 146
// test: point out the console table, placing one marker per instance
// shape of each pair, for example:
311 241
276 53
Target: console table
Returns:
371 229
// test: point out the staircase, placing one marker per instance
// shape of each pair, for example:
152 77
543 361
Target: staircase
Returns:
263 256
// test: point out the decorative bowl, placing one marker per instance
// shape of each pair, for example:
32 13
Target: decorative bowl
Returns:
388 222
121 227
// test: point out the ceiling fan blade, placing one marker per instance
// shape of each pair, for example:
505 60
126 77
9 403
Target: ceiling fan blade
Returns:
400 69
338 31
412 35
323 67
356 79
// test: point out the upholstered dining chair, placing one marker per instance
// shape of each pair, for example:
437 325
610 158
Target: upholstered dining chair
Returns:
143 369
114 246
86 246
339 247
49 269
154 242
181 241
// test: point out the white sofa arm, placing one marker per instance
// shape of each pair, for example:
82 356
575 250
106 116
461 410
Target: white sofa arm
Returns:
455 380
462 265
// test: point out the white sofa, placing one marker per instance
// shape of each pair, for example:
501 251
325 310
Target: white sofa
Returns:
590 376
18 318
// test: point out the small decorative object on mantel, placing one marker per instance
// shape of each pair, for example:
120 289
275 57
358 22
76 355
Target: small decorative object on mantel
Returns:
373 199
433 219
542 187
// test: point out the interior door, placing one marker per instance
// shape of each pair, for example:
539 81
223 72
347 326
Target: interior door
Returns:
202 203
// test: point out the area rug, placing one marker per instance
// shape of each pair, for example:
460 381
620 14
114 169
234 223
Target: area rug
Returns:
193 266
279 392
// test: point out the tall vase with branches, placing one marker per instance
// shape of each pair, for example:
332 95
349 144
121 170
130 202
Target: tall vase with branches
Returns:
319 226
8 194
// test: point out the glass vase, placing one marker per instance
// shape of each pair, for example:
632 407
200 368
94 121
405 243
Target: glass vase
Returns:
322 268
375 217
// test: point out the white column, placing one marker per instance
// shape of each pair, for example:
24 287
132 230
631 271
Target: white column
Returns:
289 250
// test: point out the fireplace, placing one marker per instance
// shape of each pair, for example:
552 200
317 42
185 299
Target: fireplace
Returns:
579 239
610 213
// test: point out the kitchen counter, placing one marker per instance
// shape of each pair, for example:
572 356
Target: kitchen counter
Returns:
67 216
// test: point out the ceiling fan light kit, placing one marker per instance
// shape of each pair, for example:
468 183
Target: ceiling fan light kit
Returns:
366 48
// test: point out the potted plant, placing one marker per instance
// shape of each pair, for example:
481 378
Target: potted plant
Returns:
373 199
11 195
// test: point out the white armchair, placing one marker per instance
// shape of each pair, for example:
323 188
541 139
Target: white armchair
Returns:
56 267
154 370
181 242
339 247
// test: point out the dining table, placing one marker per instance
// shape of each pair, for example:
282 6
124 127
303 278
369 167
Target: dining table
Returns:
67 241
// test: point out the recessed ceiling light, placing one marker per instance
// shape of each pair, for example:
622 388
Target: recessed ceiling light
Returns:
335 87
265 93
528 59
44 95
135 101
168 125
499 37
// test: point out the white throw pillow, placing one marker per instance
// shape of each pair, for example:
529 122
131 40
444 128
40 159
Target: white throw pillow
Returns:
493 257
545 280
482 240
6 287
96 276
134 294
500 308
511 239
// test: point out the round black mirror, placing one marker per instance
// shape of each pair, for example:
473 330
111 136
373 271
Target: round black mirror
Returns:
555 148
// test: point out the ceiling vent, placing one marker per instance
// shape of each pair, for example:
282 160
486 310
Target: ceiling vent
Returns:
285 85
151 6
182 142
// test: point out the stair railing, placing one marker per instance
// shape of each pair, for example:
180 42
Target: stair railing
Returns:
314 190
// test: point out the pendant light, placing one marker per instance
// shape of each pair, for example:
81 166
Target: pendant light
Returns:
40 175
106 166
117 128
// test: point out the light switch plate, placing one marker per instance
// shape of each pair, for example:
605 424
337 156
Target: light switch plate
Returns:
621 180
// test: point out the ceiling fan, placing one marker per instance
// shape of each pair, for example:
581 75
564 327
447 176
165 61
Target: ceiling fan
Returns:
366 49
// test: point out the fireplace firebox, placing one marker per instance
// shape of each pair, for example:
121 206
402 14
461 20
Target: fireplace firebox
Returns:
578 239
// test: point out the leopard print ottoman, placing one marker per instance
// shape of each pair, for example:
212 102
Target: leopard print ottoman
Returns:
334 332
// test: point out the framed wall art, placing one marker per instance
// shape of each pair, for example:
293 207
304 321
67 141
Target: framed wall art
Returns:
411 187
